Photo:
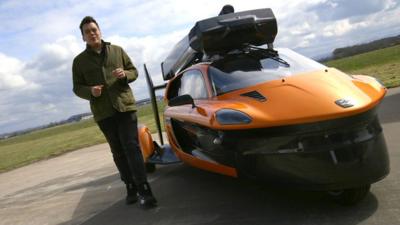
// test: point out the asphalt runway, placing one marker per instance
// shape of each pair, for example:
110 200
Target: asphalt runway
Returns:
78 193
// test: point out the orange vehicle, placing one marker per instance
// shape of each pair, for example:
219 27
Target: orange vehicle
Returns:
237 106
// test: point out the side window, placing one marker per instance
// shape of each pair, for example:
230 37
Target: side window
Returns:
192 83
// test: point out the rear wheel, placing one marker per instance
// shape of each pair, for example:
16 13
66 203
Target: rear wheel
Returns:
350 196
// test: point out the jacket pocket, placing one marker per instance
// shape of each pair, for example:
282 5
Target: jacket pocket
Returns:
127 97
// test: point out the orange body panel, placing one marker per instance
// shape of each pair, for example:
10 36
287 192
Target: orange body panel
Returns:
299 99
145 142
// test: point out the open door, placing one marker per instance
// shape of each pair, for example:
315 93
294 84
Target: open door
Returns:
159 154
152 94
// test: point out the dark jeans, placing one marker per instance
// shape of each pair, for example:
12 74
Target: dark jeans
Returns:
121 133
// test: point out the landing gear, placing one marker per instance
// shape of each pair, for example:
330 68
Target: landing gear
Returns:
350 196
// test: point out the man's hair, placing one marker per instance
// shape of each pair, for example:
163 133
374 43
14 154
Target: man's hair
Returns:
86 20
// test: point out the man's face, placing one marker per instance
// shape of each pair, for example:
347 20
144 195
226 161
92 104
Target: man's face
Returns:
91 34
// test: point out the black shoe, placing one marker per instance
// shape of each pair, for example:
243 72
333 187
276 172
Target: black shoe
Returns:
145 195
131 199
147 201
131 196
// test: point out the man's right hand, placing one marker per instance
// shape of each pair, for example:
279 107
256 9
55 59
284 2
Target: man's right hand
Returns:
96 90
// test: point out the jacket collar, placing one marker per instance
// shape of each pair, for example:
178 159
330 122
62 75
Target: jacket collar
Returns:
103 48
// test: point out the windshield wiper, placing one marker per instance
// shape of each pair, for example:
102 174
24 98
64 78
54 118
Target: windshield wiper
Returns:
272 54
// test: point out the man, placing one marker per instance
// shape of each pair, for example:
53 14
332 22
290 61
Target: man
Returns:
101 74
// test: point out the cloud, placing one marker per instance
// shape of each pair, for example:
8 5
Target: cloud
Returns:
151 50
56 54
43 91
159 16
332 10
338 28
12 76
316 28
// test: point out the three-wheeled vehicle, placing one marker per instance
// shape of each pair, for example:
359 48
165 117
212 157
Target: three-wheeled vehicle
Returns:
237 106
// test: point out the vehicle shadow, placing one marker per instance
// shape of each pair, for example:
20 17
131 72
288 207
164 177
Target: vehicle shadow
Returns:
188 196
389 110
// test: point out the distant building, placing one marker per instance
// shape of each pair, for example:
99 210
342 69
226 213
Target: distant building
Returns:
87 117
143 102
147 100
79 117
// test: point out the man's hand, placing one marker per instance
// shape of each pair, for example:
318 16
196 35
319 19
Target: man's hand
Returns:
96 90
119 73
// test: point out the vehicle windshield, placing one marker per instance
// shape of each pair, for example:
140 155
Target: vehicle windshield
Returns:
247 69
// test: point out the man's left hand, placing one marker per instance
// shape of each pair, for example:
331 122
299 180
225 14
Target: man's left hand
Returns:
119 73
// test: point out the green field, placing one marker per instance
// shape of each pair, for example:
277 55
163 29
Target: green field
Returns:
18 151
383 64
50 142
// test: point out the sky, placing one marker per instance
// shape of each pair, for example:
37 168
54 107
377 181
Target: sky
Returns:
39 39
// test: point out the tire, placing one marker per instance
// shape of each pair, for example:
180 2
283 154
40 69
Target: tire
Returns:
150 167
350 196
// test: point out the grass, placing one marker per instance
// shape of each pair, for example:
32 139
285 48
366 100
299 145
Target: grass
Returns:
146 116
383 64
24 149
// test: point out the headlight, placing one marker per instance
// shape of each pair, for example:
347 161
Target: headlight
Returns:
232 117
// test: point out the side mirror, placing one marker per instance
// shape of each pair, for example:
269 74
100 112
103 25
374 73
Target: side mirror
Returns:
181 100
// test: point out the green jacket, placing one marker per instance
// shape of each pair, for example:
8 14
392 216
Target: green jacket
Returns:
90 68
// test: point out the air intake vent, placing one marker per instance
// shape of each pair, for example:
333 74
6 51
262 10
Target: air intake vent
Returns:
256 95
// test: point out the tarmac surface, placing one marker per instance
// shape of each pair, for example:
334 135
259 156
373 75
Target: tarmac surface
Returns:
83 187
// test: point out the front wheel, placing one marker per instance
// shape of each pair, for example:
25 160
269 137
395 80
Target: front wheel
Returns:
350 196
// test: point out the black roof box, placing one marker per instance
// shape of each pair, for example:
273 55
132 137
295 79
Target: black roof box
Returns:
232 30
221 34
